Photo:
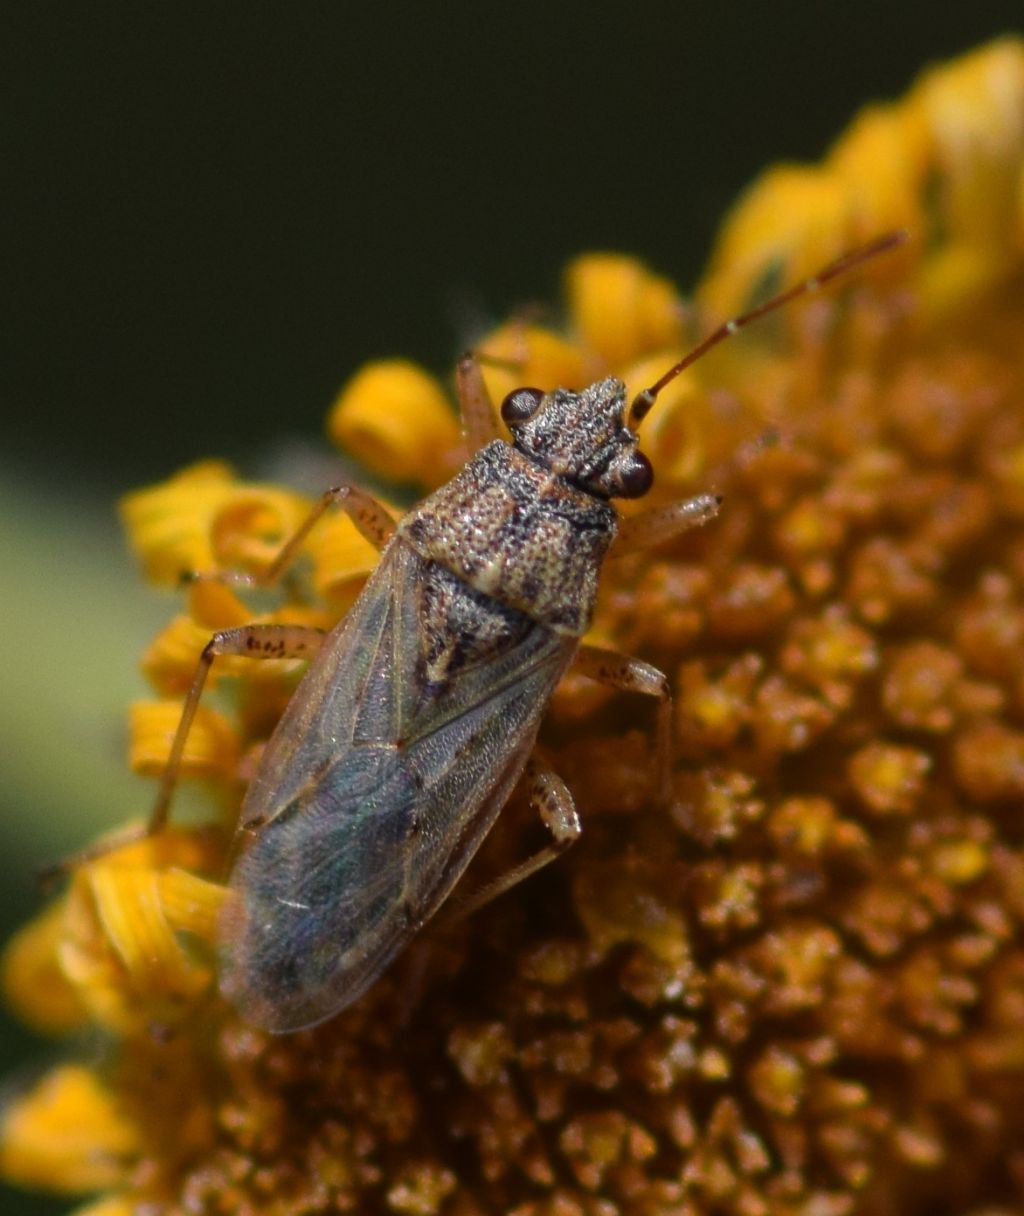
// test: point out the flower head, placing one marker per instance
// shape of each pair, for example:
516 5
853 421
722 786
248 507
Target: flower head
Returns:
800 988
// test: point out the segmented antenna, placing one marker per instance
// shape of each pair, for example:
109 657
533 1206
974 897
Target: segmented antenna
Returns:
643 401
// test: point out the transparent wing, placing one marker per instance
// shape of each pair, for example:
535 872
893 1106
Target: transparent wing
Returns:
370 802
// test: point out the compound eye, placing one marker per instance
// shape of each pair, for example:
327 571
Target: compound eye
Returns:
636 478
520 405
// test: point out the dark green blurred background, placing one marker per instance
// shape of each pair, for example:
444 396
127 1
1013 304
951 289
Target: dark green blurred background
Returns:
213 213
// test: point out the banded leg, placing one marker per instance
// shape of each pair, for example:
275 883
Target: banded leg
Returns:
479 417
659 524
256 641
633 675
269 641
550 797
479 420
370 517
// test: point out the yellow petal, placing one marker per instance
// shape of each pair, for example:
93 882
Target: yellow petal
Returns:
789 224
396 419
213 605
33 981
191 903
211 749
882 164
169 662
530 355
342 559
250 526
974 110
168 524
619 308
133 917
67 1135
204 519
111 1205
120 948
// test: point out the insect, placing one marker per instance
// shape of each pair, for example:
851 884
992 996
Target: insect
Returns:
419 712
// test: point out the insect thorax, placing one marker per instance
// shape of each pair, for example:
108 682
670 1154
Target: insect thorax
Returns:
513 530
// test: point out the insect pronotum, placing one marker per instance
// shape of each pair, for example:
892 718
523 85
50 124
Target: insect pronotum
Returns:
420 710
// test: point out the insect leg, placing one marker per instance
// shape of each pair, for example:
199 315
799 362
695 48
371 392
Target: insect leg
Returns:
255 641
663 523
479 420
550 796
369 516
633 675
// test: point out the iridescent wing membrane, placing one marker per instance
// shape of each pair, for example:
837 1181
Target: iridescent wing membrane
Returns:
388 769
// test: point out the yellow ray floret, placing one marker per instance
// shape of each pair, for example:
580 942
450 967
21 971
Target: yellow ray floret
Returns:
620 309
204 519
396 419
67 1134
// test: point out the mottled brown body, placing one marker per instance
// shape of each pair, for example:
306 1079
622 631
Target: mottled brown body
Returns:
520 534
420 710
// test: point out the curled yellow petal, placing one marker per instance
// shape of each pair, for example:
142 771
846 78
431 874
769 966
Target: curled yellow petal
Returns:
619 308
169 662
171 659
974 110
791 222
188 848
33 981
214 605
882 164
342 559
954 277
396 419
122 914
190 903
249 528
211 749
205 519
110 1205
131 912
518 354
67 1134
168 524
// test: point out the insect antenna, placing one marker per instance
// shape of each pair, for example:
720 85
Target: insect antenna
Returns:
643 401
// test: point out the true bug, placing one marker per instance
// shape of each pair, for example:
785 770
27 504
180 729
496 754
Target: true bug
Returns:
420 710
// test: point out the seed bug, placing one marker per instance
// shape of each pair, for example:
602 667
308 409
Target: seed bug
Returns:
419 712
